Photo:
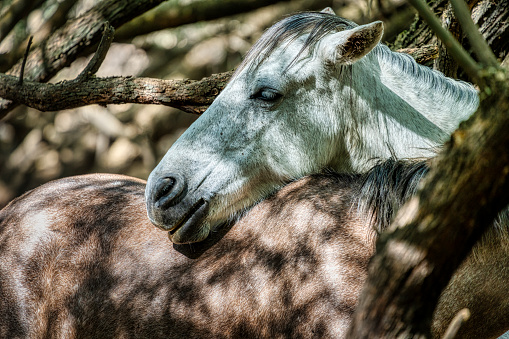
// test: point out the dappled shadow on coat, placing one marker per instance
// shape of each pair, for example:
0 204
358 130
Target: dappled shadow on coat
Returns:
90 264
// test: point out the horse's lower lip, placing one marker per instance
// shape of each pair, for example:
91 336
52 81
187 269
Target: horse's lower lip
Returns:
193 216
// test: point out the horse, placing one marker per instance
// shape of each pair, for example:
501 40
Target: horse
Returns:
80 259
315 92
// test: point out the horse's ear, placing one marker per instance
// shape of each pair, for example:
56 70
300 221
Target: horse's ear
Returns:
346 47
328 10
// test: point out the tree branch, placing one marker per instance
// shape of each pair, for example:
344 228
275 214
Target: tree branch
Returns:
423 54
173 14
191 96
464 60
75 37
98 58
22 71
188 95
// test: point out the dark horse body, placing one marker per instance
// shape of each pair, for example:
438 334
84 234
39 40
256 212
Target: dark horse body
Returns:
78 258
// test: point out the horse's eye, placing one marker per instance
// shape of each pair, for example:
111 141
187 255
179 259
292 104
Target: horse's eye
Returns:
266 94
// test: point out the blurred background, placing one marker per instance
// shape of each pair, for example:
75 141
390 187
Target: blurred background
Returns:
36 147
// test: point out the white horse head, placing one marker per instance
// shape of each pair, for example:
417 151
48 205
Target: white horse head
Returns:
315 92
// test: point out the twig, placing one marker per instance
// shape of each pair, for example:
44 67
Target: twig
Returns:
100 54
459 319
24 61
479 45
457 51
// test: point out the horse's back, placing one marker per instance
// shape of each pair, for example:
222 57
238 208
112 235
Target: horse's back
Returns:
79 258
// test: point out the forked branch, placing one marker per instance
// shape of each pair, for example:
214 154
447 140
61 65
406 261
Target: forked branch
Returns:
72 39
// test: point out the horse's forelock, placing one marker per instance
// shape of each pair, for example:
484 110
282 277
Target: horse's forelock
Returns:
316 24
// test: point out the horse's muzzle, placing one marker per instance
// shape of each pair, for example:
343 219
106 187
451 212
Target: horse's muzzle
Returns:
172 208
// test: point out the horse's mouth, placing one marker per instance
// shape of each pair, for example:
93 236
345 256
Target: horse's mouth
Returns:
188 228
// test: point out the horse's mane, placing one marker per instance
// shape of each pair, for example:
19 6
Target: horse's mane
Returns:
317 24
402 65
387 186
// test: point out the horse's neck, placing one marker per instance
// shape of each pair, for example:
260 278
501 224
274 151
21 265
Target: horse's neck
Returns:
399 108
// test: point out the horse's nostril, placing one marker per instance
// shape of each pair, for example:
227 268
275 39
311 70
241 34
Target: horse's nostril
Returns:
169 191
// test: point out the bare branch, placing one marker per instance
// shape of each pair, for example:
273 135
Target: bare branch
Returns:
74 38
464 60
479 45
100 54
188 95
20 82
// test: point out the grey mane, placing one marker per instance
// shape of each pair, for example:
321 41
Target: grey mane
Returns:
386 187
317 24
402 65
